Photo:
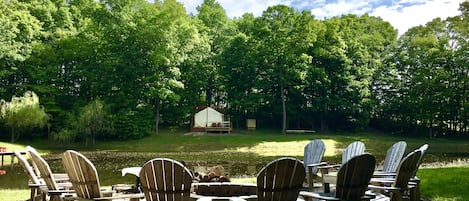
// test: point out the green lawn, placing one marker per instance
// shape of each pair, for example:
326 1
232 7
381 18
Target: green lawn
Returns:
263 146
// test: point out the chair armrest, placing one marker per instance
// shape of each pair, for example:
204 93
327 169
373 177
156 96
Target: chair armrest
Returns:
317 164
326 168
120 197
389 188
306 194
59 192
35 185
382 180
123 196
329 166
384 174
64 185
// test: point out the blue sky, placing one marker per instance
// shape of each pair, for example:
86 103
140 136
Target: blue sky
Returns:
402 14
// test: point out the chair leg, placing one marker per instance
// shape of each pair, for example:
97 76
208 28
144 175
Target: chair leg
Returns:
310 178
397 196
326 186
33 194
415 193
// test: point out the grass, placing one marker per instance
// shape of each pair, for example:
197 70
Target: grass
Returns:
448 184
261 147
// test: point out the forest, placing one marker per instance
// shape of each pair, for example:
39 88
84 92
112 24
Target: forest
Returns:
80 70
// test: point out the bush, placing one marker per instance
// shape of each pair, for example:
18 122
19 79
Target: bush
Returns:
131 124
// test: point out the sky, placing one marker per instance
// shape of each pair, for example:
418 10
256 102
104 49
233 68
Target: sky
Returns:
402 14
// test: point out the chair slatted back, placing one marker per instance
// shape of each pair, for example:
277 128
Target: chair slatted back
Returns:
165 179
33 178
44 170
407 168
27 168
353 149
30 150
313 153
353 177
423 149
46 174
394 156
82 174
281 179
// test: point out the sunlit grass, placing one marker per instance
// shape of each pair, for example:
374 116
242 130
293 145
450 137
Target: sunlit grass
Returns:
438 198
293 148
14 194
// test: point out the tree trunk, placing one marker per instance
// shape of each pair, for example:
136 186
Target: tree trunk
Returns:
284 109
157 117
12 134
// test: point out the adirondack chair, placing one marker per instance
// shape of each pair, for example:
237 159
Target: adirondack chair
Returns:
313 153
353 149
164 179
281 179
393 158
415 192
352 180
51 187
85 181
34 182
396 187
59 177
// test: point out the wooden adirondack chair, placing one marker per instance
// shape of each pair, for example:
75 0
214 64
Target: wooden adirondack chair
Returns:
353 149
85 181
34 182
51 187
396 187
352 180
164 179
313 153
59 177
394 156
281 179
415 192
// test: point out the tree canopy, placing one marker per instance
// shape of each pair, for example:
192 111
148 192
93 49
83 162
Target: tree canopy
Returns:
139 65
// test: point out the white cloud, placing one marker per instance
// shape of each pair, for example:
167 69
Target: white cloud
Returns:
403 18
342 7
191 5
402 14
237 8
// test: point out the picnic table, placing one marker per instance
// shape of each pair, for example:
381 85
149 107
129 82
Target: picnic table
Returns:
12 156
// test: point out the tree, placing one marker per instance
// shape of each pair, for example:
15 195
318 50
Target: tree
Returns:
346 58
91 122
431 66
23 113
18 33
214 24
284 37
239 60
